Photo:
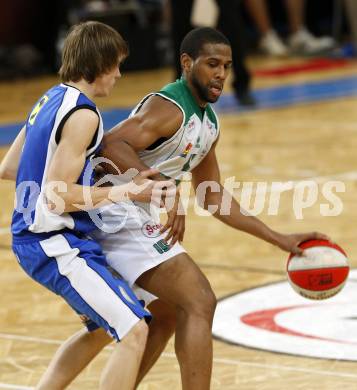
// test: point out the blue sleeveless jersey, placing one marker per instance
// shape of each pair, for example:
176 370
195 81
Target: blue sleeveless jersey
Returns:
43 132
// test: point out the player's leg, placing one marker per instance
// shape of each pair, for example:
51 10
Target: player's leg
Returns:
76 352
123 365
72 357
139 253
161 328
77 271
258 10
295 11
181 283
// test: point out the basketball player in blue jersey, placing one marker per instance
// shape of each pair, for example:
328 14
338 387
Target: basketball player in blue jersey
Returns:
50 155
175 131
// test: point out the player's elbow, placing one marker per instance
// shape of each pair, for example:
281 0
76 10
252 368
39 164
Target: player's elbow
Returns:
6 173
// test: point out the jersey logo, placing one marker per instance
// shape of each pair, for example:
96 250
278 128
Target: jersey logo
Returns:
190 126
187 166
211 127
162 246
151 230
187 150
37 109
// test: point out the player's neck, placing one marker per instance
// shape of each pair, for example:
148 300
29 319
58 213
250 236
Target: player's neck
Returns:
201 103
86 88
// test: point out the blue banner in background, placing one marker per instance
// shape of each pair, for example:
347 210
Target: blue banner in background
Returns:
266 98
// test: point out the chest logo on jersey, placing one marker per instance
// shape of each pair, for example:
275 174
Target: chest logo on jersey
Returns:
151 229
211 127
187 150
190 126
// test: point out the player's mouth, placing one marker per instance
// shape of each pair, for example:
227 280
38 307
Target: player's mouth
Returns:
216 90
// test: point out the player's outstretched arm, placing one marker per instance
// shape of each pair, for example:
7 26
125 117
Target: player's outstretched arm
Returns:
10 163
225 208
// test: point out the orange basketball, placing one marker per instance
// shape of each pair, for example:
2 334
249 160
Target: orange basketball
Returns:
321 272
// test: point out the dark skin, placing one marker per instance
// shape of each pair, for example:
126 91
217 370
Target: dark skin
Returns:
179 282
159 118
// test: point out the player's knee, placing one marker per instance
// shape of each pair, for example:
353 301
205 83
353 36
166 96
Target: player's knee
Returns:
167 322
136 338
99 337
203 303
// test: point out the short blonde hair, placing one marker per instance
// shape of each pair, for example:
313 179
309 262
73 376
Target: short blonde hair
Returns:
90 50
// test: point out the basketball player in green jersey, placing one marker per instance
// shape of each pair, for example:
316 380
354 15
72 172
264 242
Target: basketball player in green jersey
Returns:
176 130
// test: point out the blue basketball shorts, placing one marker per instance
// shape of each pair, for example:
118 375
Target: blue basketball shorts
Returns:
76 269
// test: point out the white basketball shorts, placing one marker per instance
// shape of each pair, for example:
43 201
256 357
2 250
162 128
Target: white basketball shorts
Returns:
131 241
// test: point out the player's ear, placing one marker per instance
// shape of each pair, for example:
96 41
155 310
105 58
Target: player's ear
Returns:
186 62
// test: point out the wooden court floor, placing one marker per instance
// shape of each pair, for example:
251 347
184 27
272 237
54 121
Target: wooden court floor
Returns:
315 140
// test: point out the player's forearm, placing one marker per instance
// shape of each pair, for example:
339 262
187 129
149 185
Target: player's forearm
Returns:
73 197
6 173
228 210
250 225
10 163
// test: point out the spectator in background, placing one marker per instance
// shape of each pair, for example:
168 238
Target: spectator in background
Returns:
231 24
28 34
300 41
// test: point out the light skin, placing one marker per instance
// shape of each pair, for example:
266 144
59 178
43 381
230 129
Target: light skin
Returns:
179 282
68 160
66 166
79 350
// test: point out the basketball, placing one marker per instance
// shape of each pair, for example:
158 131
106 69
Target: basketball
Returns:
321 272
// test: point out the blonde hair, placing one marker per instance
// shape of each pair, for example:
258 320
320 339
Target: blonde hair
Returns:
90 50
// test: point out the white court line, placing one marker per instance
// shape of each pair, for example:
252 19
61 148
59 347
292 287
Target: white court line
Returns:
27 338
285 368
4 230
14 387
230 362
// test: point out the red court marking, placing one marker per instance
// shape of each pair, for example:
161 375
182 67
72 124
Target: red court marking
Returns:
265 319
314 65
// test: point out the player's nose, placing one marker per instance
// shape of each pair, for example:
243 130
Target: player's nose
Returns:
221 73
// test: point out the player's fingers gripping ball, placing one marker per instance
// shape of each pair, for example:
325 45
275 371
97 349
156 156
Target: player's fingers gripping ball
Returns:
320 272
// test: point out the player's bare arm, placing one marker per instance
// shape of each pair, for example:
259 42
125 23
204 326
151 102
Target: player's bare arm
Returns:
10 163
68 161
158 118
208 170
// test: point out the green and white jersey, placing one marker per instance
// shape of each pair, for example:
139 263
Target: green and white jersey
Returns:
192 141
